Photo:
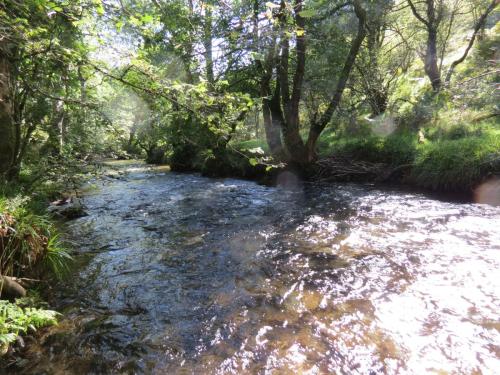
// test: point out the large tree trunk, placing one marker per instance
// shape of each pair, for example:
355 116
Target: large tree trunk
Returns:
271 111
7 130
272 119
434 17
290 101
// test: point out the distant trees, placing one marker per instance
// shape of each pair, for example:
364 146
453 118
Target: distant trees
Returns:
7 142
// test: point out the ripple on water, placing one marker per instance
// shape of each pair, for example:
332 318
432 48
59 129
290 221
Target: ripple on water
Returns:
184 274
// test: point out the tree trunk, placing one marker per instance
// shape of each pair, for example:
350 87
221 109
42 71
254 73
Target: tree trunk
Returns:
290 101
273 121
319 126
432 22
56 135
271 111
478 26
7 131
207 43
431 59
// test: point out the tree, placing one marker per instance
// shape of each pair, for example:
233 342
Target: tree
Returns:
432 14
7 135
383 60
477 27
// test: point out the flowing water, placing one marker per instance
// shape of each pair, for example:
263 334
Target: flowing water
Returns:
180 274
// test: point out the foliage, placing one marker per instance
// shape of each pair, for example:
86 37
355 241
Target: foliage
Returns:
15 320
28 239
457 164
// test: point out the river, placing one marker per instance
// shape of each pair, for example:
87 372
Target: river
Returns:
181 274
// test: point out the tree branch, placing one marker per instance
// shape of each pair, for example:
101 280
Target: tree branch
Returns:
416 14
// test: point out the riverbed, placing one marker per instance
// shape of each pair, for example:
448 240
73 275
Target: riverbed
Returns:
182 274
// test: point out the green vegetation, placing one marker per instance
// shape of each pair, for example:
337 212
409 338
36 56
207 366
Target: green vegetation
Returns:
457 164
28 240
16 319
199 85
238 88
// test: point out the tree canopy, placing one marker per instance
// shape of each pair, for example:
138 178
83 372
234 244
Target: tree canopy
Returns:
184 79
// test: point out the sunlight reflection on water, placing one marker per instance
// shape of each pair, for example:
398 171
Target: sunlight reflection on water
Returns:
190 275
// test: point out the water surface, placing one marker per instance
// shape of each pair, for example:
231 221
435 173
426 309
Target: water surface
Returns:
180 274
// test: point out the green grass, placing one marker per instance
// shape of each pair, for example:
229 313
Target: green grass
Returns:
455 159
395 149
457 164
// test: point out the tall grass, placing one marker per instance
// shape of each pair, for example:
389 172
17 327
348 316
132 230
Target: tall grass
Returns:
457 164
454 157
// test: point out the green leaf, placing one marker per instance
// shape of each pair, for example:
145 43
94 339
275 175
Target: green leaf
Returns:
147 18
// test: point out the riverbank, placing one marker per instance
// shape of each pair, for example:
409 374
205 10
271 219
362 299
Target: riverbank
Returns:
33 256
348 165
455 162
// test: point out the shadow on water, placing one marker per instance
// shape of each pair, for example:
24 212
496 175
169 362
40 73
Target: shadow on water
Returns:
184 274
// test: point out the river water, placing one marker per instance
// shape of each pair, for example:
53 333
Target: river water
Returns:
181 274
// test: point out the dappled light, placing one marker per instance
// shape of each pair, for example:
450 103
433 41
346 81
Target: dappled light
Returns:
383 125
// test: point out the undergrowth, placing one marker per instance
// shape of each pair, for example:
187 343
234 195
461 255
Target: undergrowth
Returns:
28 240
16 319
451 156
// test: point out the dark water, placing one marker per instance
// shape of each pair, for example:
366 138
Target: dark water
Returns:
182 274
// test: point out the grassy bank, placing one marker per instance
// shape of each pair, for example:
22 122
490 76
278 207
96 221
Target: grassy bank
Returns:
456 160
449 159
